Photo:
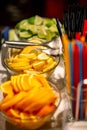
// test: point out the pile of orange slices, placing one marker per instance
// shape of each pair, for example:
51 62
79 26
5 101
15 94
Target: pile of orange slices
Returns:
27 95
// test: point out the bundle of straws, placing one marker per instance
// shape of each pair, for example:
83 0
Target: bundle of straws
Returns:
75 58
74 17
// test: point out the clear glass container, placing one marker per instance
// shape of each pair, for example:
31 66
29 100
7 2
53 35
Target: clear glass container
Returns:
21 57
26 121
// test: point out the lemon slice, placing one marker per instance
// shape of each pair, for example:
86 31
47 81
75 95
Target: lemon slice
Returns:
27 49
42 56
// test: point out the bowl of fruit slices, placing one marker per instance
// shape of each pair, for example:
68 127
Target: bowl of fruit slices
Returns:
28 100
39 30
36 29
39 59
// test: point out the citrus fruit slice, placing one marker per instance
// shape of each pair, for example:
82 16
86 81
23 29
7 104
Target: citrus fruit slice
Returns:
7 87
18 82
45 110
33 81
13 113
13 101
27 49
14 83
24 82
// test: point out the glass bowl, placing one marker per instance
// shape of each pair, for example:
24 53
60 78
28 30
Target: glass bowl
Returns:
39 59
27 123
39 30
16 109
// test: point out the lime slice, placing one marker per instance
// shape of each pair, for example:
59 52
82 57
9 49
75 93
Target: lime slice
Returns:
38 20
31 20
24 34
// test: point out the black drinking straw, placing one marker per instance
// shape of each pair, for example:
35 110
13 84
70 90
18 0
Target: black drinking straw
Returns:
66 21
58 27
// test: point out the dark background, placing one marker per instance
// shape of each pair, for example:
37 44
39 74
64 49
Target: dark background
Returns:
12 11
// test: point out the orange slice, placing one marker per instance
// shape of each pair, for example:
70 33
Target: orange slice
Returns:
13 101
33 81
13 113
24 82
46 110
18 82
14 83
41 97
6 98
24 116
7 87
42 80
28 99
